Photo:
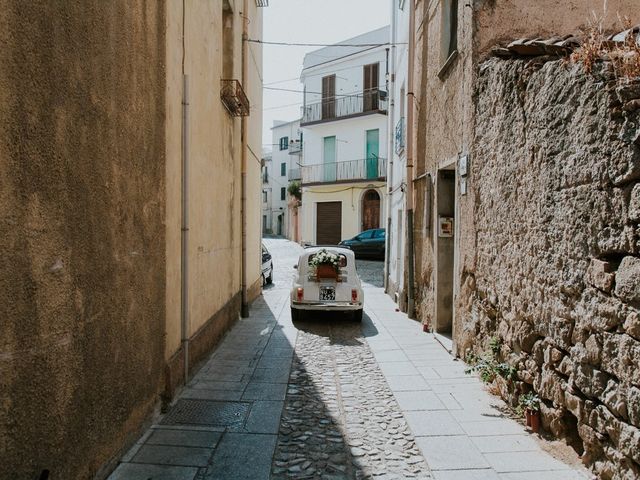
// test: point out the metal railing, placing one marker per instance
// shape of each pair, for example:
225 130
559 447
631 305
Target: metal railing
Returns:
372 168
295 147
295 174
233 97
399 138
345 105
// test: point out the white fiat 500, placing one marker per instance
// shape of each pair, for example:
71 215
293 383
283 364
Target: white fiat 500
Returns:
331 286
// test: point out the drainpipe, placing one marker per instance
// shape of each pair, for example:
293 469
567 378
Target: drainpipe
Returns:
410 153
184 228
244 309
390 143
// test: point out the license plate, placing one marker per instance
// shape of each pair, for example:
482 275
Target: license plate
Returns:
327 293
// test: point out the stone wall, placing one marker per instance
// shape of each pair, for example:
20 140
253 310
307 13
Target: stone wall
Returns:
82 182
556 179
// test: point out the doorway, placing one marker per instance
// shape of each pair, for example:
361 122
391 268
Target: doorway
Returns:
445 249
329 159
328 223
370 210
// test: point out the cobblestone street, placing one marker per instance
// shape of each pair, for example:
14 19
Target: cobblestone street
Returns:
328 398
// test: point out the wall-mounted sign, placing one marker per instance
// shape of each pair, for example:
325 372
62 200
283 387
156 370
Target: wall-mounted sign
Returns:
463 166
463 185
445 227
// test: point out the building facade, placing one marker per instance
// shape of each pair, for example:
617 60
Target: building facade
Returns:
397 166
516 243
281 168
111 294
344 123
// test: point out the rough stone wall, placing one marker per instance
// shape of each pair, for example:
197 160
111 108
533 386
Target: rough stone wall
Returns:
556 175
81 228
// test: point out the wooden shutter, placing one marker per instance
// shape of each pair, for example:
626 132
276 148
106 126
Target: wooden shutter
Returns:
329 97
328 223
370 87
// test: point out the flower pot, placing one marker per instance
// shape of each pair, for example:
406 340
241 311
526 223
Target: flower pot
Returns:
527 416
534 419
326 271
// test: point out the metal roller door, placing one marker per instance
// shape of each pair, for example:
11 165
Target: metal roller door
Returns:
328 223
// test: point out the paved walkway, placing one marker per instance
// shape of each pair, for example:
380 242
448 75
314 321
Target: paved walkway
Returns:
332 399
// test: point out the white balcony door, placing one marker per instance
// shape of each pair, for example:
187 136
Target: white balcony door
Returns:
329 159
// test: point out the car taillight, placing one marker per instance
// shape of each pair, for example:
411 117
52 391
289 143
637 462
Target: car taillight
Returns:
300 293
354 295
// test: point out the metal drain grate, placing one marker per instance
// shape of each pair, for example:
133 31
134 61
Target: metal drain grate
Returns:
205 412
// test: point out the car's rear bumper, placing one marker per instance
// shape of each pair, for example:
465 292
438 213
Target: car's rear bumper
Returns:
327 307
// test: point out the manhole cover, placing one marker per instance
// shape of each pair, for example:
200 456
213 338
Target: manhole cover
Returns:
204 412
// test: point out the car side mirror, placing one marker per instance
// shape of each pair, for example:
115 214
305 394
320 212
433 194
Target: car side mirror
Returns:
295 266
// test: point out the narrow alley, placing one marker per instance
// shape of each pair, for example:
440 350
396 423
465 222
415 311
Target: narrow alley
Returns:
334 399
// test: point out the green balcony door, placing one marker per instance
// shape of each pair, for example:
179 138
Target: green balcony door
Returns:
373 152
329 159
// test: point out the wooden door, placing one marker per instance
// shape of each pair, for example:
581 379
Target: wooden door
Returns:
370 210
328 97
372 153
370 89
328 223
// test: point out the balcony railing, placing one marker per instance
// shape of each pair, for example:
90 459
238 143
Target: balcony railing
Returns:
295 147
233 97
373 168
335 108
400 136
295 174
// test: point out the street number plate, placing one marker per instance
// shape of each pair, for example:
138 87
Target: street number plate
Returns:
327 293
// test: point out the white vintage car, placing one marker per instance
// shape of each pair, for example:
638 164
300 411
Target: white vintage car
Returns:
336 288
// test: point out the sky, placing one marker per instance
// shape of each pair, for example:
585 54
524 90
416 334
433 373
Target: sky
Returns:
306 21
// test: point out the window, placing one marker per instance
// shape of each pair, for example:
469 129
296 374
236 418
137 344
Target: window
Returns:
379 233
283 169
449 29
227 40
370 82
284 143
283 193
365 235
264 196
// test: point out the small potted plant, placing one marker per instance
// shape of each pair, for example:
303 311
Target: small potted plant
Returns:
326 264
530 402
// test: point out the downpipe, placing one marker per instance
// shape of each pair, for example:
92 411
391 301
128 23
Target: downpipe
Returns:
184 236
244 307
411 312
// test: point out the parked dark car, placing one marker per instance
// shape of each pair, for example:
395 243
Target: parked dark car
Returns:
369 243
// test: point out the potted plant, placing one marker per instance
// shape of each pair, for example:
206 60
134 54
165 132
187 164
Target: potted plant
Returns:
326 264
530 402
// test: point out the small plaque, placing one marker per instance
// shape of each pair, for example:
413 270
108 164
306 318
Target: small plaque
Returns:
463 166
463 186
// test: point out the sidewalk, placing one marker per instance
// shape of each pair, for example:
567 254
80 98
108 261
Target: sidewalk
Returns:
459 427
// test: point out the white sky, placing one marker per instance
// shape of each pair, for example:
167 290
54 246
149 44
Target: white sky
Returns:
307 21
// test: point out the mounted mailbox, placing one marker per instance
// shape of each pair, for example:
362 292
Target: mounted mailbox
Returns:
445 227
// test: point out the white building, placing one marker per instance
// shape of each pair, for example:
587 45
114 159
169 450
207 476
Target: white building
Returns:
344 123
281 167
397 166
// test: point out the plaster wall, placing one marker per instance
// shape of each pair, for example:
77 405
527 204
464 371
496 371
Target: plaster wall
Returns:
82 205
397 168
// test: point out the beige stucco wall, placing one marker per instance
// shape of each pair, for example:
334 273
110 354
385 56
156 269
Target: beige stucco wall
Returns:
350 194
215 247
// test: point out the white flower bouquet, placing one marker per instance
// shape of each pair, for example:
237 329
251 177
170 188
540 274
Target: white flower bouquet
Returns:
324 257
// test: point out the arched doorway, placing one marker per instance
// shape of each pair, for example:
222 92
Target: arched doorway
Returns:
370 210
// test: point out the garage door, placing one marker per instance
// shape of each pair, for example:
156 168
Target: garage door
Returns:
328 223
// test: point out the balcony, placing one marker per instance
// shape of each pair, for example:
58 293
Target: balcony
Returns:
344 106
233 97
400 136
294 174
295 147
374 168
